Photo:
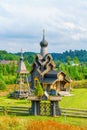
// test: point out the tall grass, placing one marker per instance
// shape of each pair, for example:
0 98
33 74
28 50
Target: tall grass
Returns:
15 123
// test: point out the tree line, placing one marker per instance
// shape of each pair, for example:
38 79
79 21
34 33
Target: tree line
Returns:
73 63
29 56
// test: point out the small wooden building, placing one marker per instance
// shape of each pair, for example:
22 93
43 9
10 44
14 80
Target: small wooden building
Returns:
22 86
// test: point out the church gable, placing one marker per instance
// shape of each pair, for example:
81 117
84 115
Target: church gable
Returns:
44 65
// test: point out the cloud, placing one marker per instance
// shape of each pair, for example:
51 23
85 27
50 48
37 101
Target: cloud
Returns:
22 22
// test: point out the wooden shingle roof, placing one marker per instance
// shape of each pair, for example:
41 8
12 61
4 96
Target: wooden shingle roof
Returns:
21 67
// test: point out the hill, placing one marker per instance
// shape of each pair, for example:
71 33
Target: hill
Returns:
29 56
80 54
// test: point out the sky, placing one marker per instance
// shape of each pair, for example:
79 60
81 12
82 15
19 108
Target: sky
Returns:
22 22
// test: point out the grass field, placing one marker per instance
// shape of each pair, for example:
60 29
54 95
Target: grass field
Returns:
5 101
78 100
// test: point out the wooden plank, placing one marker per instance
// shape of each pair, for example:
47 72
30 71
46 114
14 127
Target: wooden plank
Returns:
74 115
77 114
73 109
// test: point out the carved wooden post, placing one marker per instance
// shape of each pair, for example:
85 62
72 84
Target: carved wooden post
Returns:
36 108
55 110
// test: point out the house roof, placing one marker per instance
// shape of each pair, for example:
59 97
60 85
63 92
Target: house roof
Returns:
3 62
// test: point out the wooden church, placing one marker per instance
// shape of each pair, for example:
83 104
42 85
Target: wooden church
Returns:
44 70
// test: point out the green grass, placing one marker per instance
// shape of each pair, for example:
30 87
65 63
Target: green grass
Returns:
78 100
5 101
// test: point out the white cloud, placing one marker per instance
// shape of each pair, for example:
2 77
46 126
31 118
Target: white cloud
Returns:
22 22
76 37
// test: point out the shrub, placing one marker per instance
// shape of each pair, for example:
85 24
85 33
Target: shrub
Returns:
2 85
50 125
38 90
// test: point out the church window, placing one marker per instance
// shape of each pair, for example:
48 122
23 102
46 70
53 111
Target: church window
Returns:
35 81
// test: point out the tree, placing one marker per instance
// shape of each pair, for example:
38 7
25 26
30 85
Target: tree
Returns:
76 60
2 85
38 90
68 59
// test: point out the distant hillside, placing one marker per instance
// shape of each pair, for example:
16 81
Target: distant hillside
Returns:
4 55
81 54
29 56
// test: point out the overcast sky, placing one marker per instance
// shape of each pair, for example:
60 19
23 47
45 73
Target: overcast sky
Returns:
22 22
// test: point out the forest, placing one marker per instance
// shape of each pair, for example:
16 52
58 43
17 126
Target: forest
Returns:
73 63
29 56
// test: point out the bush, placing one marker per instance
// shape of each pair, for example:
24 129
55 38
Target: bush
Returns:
2 85
38 89
79 84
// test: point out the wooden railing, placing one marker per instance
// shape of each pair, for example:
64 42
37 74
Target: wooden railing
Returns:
16 110
72 112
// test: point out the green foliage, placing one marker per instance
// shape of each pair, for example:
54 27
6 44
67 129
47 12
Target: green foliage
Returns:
10 79
75 72
38 89
2 85
4 55
63 62
69 55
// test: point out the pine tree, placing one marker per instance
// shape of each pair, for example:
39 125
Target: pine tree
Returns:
38 90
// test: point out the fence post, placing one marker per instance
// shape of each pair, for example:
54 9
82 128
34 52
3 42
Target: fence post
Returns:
55 110
5 110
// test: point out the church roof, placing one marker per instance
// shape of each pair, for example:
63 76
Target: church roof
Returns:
43 43
53 73
52 76
21 67
48 80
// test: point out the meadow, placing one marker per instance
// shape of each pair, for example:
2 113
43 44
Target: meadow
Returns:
76 100
12 122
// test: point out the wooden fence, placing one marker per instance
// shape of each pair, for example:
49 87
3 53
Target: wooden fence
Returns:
72 112
16 110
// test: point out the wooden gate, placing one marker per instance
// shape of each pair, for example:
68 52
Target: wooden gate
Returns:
45 109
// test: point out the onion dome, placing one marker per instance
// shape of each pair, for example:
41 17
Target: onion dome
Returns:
43 43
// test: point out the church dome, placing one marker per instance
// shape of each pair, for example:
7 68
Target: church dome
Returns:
43 43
